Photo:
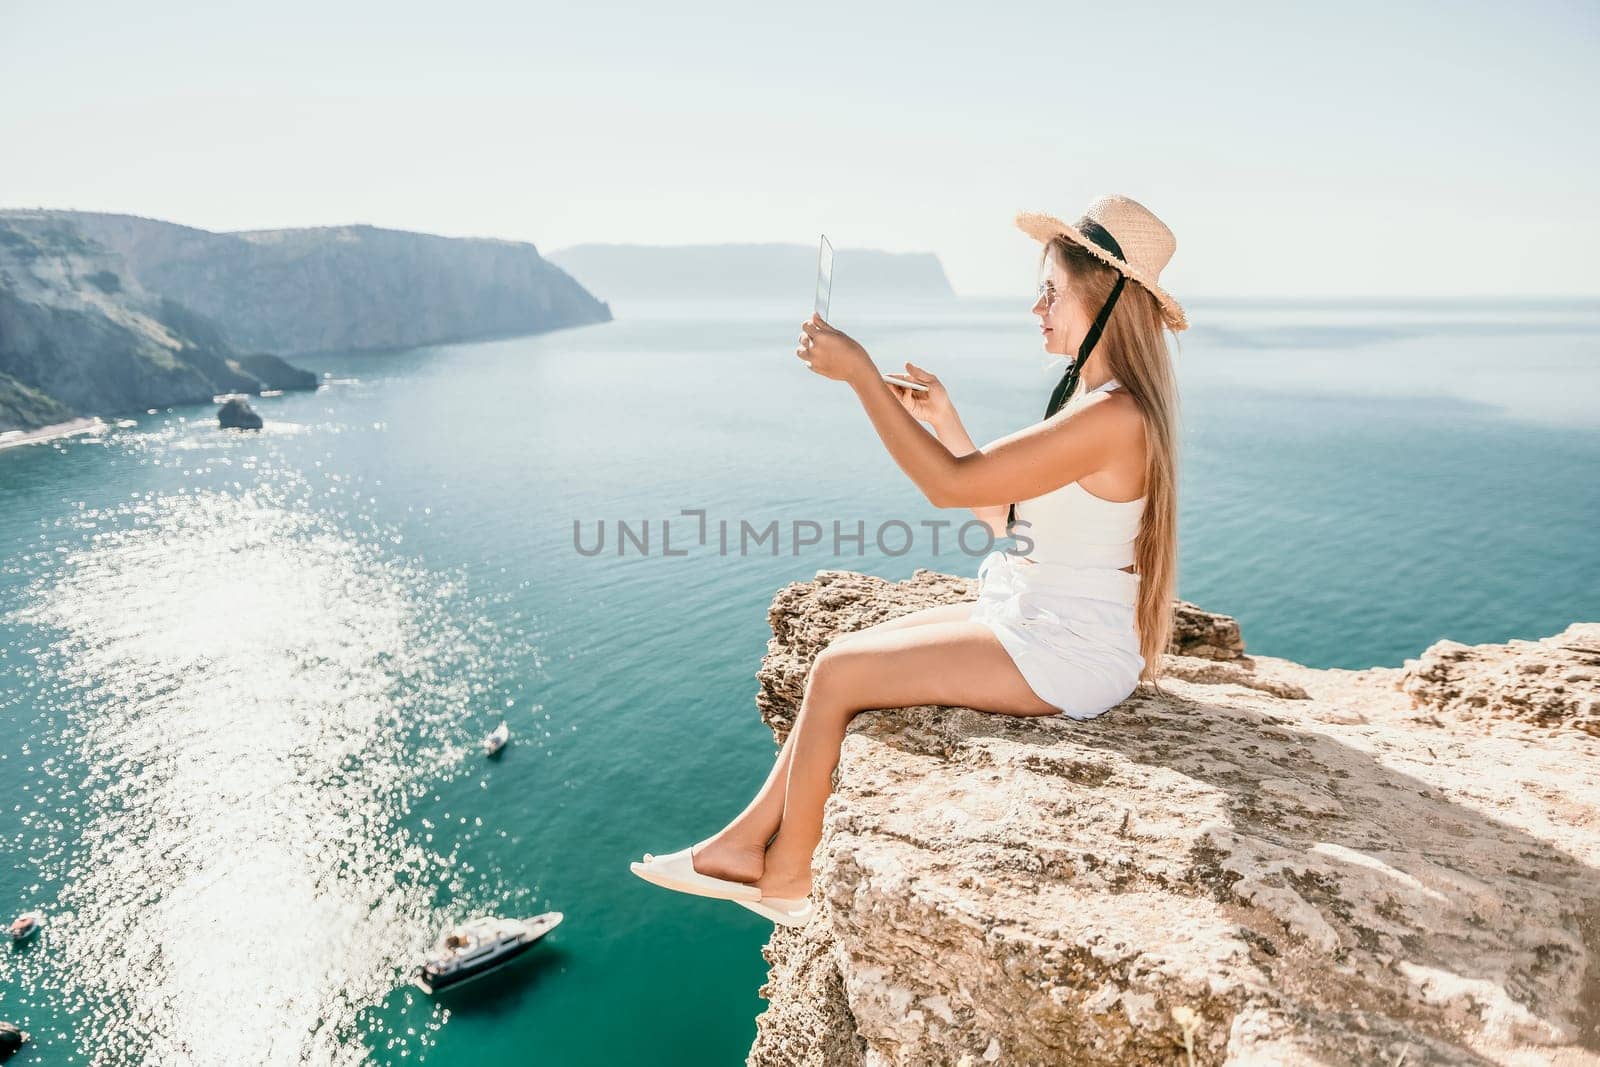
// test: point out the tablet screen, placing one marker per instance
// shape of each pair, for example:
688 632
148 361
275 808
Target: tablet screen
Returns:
824 276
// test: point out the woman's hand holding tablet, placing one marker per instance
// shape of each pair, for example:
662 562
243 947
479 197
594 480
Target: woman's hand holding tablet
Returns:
825 294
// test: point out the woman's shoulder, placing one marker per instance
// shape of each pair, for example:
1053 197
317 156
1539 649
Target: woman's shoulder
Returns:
1126 407
1120 423
1116 411
1112 404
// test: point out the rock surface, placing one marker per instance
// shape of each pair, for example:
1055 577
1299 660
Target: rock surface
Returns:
1261 863
1554 681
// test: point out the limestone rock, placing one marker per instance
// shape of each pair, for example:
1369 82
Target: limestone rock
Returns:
236 414
1200 633
1213 869
1554 681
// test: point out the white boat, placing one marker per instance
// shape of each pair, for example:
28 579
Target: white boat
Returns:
497 740
26 925
480 946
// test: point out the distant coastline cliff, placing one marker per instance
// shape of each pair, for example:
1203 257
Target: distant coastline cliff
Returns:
79 335
1266 864
784 272
110 313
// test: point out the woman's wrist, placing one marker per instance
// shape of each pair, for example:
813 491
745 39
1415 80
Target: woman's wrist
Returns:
865 373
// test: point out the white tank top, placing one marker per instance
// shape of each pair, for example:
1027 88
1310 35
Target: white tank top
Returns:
1072 526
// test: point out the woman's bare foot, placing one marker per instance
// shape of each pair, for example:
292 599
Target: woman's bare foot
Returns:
721 857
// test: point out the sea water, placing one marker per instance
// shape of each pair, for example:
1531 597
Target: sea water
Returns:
243 676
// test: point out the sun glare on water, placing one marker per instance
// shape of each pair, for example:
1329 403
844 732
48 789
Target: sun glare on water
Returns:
247 700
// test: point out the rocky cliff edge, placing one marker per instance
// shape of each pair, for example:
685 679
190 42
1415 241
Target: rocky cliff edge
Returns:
1263 863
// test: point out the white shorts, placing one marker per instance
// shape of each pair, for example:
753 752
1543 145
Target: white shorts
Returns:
1070 630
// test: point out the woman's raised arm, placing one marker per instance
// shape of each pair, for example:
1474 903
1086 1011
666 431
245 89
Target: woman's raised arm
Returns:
953 434
1019 466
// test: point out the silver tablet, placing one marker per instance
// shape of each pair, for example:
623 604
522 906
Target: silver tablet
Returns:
824 277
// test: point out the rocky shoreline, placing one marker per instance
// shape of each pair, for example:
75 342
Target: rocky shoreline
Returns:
1263 863
51 432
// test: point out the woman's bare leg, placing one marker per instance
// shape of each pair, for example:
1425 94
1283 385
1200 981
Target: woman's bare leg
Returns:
738 850
958 664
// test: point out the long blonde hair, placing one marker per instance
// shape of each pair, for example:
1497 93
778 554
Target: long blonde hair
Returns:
1134 345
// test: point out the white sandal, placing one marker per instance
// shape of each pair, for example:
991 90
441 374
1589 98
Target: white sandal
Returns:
782 910
676 871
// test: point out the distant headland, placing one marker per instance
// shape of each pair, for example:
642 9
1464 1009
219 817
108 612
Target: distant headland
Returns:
101 314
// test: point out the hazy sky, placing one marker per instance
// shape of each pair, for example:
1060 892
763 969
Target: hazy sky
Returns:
1337 149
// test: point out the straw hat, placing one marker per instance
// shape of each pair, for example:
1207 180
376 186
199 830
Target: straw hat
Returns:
1124 233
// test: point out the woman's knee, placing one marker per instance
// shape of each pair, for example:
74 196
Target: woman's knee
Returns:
839 639
836 661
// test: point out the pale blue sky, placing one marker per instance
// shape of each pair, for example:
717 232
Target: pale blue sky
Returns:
1352 149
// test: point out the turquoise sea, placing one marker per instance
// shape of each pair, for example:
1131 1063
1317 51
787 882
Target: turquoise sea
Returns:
243 676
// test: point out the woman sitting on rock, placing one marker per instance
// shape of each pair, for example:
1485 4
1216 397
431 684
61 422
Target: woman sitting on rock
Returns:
1070 626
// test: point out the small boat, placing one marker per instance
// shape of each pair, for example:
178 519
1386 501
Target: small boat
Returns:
480 946
12 1038
497 740
26 925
